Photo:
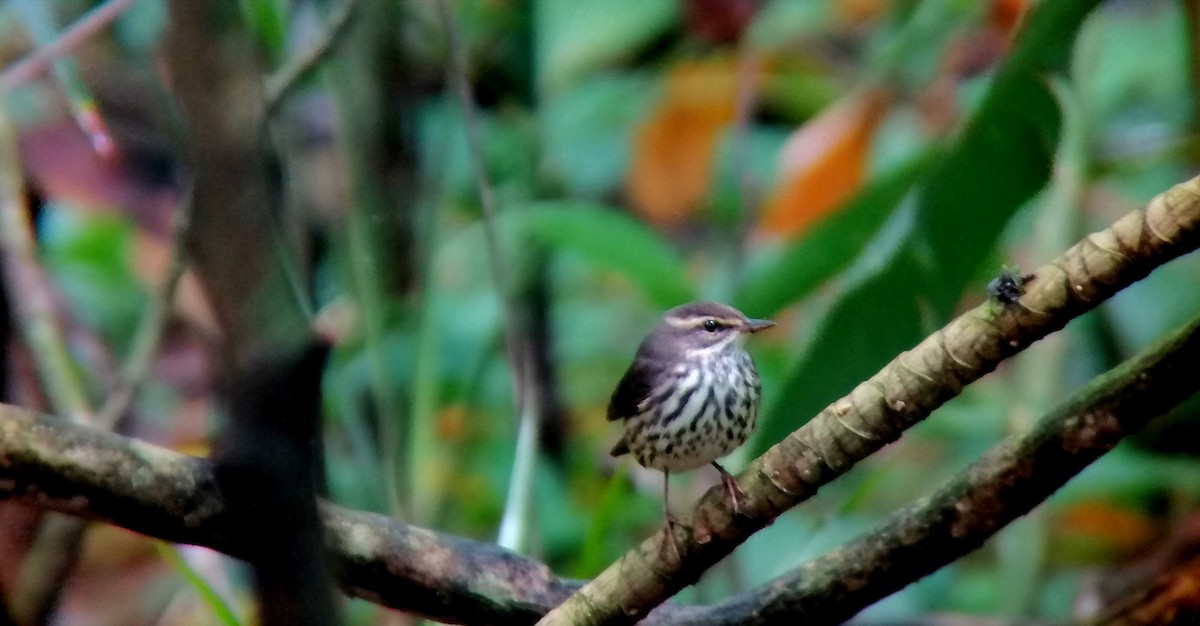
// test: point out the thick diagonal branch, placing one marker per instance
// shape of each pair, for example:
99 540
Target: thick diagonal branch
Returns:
1007 482
903 393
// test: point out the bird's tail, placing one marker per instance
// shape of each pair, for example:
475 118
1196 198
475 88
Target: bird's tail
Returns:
620 448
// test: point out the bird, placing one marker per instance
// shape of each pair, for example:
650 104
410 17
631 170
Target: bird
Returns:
690 396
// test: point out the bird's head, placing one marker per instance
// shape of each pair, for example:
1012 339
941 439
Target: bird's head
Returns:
702 328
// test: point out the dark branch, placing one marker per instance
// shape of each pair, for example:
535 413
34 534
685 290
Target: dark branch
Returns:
154 491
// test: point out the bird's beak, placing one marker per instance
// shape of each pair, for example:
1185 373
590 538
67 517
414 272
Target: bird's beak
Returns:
754 326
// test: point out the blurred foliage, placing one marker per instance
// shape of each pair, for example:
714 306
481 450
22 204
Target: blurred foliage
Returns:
855 169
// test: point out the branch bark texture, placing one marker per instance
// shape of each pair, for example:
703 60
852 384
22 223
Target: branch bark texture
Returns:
102 476
1006 483
878 410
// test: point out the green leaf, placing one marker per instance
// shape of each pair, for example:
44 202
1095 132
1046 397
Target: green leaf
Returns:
267 20
208 595
1001 159
89 256
589 127
876 318
832 245
1003 156
610 239
580 35
1021 549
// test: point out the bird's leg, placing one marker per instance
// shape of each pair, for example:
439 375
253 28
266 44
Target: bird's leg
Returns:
732 491
672 522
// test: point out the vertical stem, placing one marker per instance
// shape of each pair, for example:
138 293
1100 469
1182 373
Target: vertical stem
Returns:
364 270
516 507
747 102
1192 11
370 80
33 304
1038 375
154 320
52 556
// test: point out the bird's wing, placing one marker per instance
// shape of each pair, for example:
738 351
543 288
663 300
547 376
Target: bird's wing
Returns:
635 386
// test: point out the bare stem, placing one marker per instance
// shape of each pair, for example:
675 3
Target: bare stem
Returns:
154 320
516 507
32 299
91 23
748 185
283 81
52 556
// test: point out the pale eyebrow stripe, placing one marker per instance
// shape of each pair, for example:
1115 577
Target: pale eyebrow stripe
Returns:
696 321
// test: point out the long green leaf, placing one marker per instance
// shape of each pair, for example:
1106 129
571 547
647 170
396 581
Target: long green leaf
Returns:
610 239
1003 156
832 245
207 594
877 317
1000 160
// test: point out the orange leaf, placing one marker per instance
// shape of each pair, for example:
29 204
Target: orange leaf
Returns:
861 11
674 148
1006 15
1120 528
823 163
452 423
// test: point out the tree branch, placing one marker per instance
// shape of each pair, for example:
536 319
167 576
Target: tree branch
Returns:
102 476
91 23
1007 482
878 410
280 84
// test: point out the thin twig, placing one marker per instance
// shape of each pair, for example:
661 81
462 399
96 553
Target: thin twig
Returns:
52 556
487 199
285 79
39 21
512 527
83 28
32 299
154 320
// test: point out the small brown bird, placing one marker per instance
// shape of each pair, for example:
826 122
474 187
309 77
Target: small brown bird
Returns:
691 394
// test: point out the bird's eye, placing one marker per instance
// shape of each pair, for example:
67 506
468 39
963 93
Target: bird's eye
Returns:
710 325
